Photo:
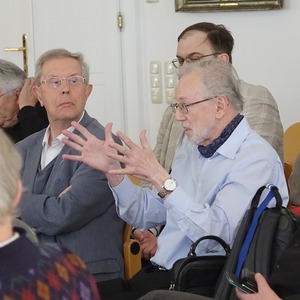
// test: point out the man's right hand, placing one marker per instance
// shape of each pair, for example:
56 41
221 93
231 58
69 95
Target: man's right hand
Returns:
264 291
148 242
26 97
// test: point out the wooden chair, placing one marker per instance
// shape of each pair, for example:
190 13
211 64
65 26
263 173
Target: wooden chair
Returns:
288 169
291 143
132 253
131 248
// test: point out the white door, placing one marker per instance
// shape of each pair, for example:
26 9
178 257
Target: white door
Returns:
88 26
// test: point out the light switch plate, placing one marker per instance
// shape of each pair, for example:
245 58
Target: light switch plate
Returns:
156 82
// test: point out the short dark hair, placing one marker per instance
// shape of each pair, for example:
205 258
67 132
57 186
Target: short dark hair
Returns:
218 35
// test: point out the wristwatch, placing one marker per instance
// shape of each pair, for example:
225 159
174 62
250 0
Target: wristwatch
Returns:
168 187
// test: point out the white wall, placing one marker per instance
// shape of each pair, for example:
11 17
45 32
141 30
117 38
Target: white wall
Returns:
266 52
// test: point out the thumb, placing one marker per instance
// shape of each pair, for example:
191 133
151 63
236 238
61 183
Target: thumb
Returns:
138 235
261 281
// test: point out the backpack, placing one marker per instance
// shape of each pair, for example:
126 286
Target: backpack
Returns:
274 229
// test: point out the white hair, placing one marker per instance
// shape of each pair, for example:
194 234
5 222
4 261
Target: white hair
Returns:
10 166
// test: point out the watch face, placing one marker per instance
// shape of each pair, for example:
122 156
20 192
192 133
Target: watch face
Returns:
170 184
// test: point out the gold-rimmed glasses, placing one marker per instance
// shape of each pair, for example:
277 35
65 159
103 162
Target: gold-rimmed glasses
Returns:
56 82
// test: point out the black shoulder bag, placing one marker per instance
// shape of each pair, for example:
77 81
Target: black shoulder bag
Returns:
199 274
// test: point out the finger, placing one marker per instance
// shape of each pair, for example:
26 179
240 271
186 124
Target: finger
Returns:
82 130
126 140
75 137
72 157
152 252
143 139
108 132
261 281
26 82
120 149
138 234
76 146
30 81
120 171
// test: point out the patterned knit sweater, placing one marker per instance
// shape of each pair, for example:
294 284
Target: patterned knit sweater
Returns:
44 272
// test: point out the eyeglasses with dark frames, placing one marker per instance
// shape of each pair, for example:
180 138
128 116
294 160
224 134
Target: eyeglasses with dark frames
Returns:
178 62
56 82
183 108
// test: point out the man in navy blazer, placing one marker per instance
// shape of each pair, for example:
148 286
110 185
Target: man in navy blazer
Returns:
67 202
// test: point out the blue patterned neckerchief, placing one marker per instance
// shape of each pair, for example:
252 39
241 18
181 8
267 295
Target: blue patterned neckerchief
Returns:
208 151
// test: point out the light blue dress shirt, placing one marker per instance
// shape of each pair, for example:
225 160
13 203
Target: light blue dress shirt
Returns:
211 198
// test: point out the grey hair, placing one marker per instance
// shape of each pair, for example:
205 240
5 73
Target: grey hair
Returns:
219 78
61 53
11 77
10 166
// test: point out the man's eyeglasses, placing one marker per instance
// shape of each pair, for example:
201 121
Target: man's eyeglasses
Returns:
178 62
56 82
183 108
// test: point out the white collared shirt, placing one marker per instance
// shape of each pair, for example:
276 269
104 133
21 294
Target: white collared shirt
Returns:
49 152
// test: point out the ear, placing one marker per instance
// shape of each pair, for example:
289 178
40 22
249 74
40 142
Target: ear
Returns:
222 106
19 193
224 57
37 93
17 92
88 90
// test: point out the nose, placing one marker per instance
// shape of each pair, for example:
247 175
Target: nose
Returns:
65 86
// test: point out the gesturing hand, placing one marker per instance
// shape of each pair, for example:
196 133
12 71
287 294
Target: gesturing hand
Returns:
93 151
139 160
107 155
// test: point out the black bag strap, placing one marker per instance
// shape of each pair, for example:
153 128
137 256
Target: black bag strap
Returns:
245 247
257 196
209 237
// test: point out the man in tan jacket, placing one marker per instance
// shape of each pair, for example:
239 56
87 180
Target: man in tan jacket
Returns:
209 41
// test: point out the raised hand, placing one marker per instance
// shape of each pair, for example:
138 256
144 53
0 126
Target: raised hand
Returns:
26 97
107 155
93 151
139 160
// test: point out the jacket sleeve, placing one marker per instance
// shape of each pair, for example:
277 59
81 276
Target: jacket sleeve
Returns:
53 213
261 111
32 119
